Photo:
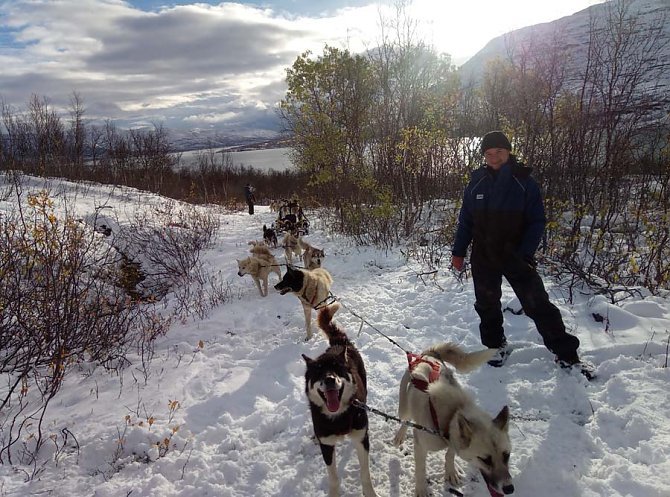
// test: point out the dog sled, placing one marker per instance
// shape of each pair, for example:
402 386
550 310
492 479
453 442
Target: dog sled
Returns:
291 218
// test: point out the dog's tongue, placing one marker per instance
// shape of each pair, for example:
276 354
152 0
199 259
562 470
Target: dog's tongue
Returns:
493 491
333 400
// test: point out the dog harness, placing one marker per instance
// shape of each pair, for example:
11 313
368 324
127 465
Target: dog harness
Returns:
413 361
309 301
320 304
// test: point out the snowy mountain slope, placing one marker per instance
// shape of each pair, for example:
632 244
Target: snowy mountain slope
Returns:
571 35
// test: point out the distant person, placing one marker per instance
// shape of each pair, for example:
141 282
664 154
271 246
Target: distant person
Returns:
249 197
503 216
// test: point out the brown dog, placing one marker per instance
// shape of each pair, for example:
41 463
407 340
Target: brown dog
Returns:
291 246
311 256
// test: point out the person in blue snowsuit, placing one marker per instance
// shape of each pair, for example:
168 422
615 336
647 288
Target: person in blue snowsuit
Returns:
503 217
249 197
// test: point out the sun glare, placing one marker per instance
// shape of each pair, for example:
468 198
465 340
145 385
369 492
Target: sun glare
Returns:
463 28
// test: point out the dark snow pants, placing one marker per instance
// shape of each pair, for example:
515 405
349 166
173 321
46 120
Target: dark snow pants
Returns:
529 288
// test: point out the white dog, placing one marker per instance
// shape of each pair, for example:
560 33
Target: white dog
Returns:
432 398
259 266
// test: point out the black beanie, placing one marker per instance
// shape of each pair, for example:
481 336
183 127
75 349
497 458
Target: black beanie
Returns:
495 139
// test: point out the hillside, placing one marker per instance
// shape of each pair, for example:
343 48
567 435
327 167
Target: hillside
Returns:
570 36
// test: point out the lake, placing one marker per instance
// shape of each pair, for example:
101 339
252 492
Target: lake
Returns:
263 160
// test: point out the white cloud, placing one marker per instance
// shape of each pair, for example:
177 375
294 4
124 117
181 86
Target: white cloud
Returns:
143 61
212 118
225 58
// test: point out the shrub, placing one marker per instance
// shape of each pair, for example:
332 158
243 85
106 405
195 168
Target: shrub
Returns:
166 243
59 306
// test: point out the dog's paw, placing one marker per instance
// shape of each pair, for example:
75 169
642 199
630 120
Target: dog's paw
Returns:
454 475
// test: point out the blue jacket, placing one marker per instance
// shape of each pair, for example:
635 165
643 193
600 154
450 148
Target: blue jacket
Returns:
249 193
502 214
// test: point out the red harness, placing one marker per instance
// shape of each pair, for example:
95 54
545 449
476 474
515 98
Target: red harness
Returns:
414 360
316 306
310 302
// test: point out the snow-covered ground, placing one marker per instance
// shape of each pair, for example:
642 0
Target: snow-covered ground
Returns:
223 411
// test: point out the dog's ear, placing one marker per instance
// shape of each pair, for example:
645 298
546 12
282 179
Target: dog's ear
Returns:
465 430
501 421
308 360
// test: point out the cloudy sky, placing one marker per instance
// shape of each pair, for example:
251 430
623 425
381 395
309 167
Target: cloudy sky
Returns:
212 65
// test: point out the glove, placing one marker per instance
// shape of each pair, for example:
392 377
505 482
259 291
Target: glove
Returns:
530 260
457 262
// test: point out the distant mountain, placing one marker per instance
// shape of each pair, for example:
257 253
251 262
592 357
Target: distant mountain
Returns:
203 139
571 34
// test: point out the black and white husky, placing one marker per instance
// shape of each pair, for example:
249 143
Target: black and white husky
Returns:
270 237
332 382
311 287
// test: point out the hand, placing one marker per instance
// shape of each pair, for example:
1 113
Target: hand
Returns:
457 262
530 260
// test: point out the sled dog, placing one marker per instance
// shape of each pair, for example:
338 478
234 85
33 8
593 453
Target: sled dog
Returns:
332 381
259 267
261 251
311 287
291 247
269 237
311 256
431 397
